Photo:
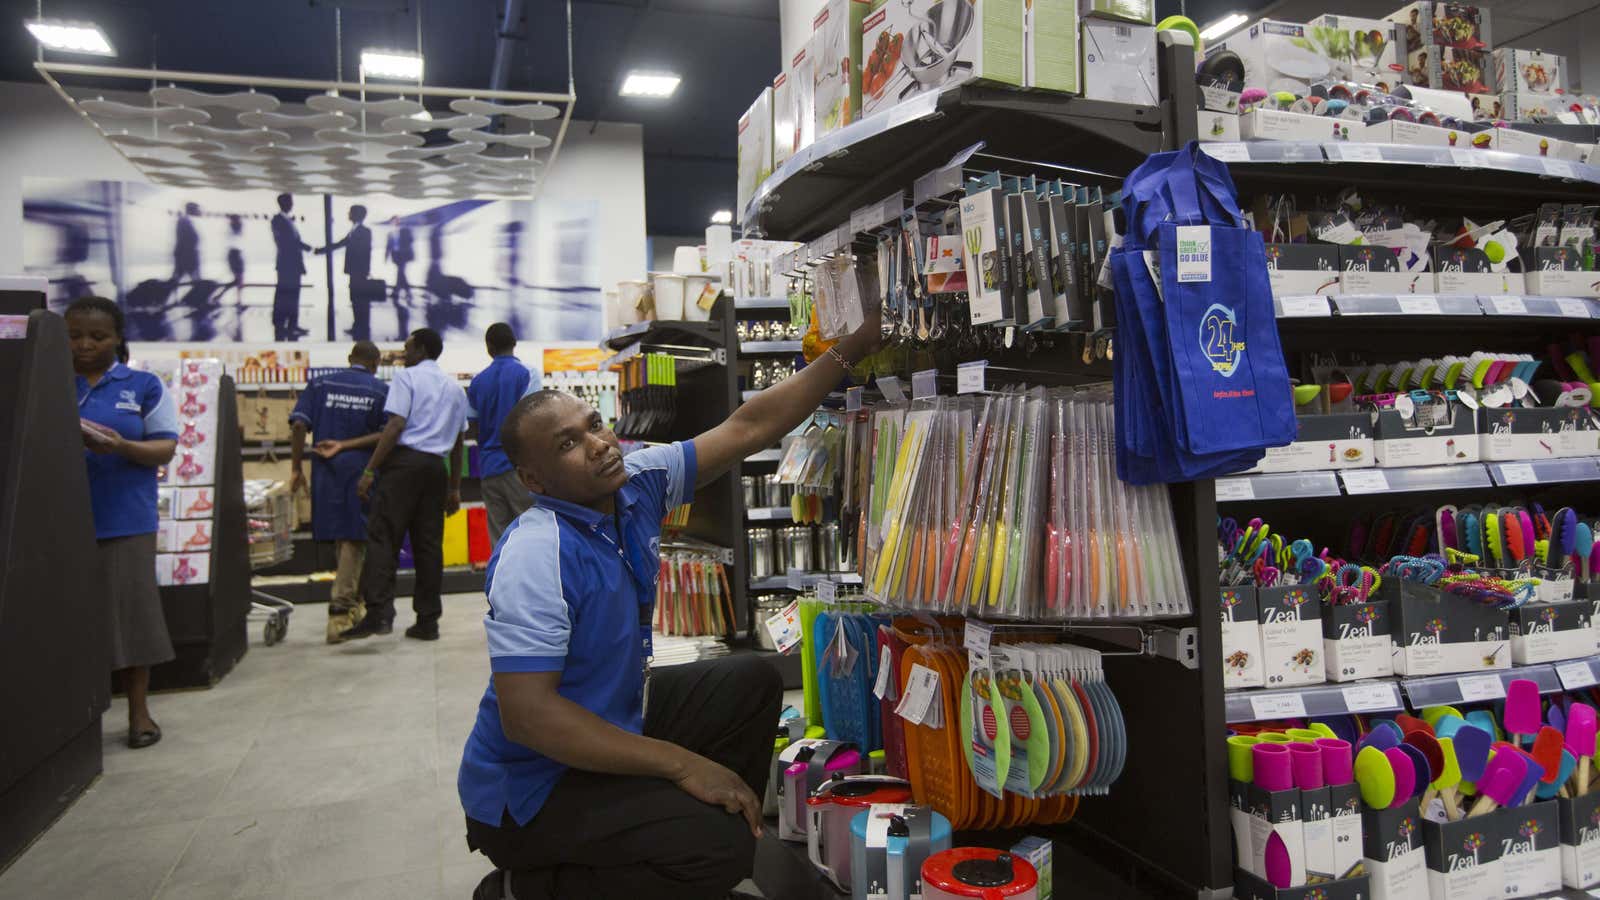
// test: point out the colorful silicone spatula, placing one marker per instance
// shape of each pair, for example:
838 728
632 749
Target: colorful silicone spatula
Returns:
1445 784
1384 734
1472 751
1375 776
1532 779
1432 715
1547 746
1405 775
1583 546
1550 789
1522 709
1409 724
1580 740
1484 721
1421 775
1447 725
1498 786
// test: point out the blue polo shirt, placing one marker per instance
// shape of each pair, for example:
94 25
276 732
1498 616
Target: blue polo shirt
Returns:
336 407
490 397
565 597
136 404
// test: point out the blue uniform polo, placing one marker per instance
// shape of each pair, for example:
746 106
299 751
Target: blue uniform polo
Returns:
339 406
136 404
489 400
565 597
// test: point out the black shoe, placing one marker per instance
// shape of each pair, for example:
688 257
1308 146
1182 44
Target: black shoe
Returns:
366 628
423 632
492 887
143 739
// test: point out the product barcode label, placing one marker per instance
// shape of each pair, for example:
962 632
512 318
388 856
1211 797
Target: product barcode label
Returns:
1300 307
1227 151
1359 152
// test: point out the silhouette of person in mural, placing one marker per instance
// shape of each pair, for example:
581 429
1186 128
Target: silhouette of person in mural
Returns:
400 249
291 264
236 269
357 245
186 247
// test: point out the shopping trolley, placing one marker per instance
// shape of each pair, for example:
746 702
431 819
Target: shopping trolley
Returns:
272 521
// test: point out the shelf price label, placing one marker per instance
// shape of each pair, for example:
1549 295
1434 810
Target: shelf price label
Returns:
1466 158
1364 481
1232 490
1314 305
1575 675
1518 473
1227 151
969 376
1573 308
1278 706
1420 305
1359 152
889 385
1369 697
1560 168
923 384
1480 687
1509 306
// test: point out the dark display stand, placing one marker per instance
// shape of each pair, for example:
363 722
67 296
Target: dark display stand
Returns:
207 622
54 651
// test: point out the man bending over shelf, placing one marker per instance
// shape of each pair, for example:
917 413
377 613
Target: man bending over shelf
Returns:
584 776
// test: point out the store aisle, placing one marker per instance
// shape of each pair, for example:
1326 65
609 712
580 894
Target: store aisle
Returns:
310 772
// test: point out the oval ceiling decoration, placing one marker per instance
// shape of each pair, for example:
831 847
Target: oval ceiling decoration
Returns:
413 124
242 137
313 121
536 112
239 101
352 138
352 107
167 115
527 141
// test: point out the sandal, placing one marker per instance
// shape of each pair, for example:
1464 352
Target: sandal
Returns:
141 739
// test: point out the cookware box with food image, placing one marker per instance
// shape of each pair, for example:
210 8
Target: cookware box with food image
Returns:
911 46
1334 441
836 63
754 147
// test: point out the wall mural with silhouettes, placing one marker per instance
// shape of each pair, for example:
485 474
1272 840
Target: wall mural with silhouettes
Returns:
208 265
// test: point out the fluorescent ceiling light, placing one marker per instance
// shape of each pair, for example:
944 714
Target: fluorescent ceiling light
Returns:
394 64
722 217
71 37
650 84
1223 26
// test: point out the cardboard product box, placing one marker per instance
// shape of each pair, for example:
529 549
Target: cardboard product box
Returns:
1462 270
265 417
1357 641
166 502
1529 71
1119 62
1530 841
1486 106
1291 636
1536 433
191 536
1450 69
836 64
178 569
1366 51
1218 99
983 229
167 535
1290 56
785 128
1546 632
1557 586
803 96
1039 851
1277 812
896 35
1241 638
1368 269
1303 270
1508 140
1139 11
1247 886
1391 849
193 466
1442 24
1345 825
1437 633
1050 46
1464 858
1336 441
195 502
1239 820
1399 442
1522 106
1578 820
1277 125
1217 126
1558 272
1410 133
755 148
1072 311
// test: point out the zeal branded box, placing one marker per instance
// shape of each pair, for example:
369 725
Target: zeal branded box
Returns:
1464 859
1303 270
1466 270
785 127
1530 848
1547 632
928 45
1431 437
1241 638
1537 433
1558 272
1357 641
1291 635
1391 848
988 244
836 63
1367 269
1335 441
1436 633
1579 823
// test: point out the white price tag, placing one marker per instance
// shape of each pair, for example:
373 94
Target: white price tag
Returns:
1517 473
969 376
1194 254
1572 308
890 387
1359 152
1466 158
1301 307
1420 305
1365 481
883 688
852 399
1369 697
1560 168
827 590
1232 490
923 384
1278 706
1509 306
1480 687
784 626
922 688
1227 151
978 636
1575 675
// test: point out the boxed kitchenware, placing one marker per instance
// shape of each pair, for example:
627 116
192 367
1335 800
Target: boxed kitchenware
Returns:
1537 433
1362 50
911 46
1530 71
1579 822
1367 269
1466 270
1464 858
1391 850
1443 25
1336 441
1409 133
1291 635
1241 638
803 95
1127 10
1218 126
1530 848
1357 641
983 229
1522 106
755 148
836 64
1559 272
1050 46
1433 433
1303 270
1119 62
1289 56
1278 125
1509 140
176 569
1438 633
1451 69
1547 632
785 128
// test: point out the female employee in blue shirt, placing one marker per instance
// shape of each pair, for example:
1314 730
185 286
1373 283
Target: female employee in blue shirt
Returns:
130 428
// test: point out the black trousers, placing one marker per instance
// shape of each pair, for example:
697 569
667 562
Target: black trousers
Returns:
614 837
408 498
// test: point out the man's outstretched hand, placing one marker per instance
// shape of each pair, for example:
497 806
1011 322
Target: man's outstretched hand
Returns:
713 783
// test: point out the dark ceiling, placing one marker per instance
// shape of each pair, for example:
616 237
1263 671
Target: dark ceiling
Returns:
726 50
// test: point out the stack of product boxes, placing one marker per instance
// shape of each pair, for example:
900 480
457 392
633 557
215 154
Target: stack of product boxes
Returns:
188 484
1447 46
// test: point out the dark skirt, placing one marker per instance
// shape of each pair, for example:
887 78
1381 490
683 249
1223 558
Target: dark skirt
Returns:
138 627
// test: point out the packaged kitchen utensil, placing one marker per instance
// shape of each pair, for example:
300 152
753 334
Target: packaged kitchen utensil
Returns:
832 807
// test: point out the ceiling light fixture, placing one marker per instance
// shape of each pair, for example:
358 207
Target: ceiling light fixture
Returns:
397 65
70 37
722 217
1222 26
649 84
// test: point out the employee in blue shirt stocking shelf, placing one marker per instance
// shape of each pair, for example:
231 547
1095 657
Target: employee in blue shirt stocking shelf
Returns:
343 410
406 482
490 397
578 780
130 429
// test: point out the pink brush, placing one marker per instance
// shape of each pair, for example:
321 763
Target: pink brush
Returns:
1274 769
1581 740
1522 709
1337 761
1405 776
1501 778
1306 760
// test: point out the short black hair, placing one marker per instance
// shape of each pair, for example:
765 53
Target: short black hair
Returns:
358 212
111 310
511 426
429 341
365 353
285 201
499 338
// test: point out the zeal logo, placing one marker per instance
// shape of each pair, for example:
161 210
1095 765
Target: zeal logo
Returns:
1219 341
1362 627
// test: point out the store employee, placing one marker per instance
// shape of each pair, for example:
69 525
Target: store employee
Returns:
574 785
344 411
490 397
